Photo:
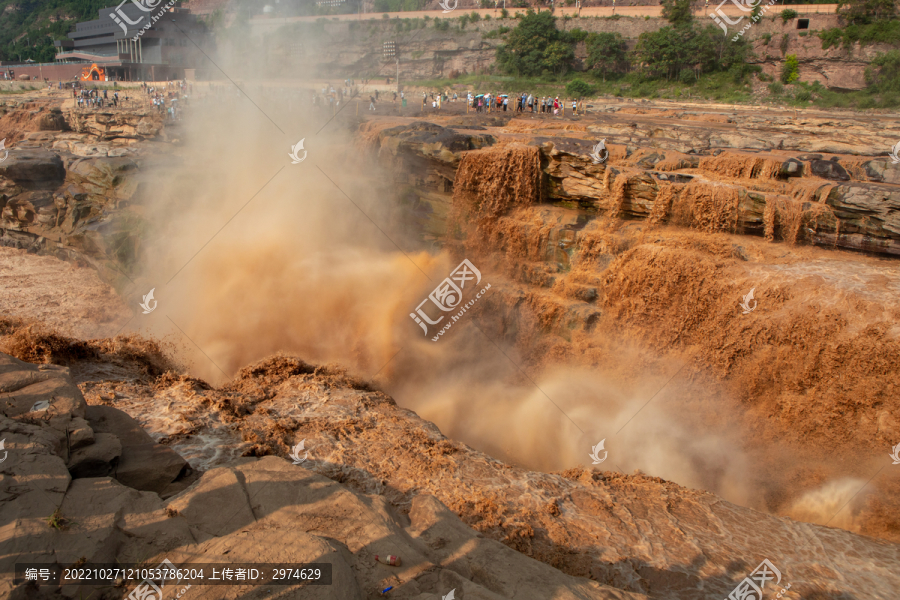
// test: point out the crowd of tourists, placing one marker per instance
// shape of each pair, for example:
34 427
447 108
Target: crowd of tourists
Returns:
165 100
94 98
522 103
332 97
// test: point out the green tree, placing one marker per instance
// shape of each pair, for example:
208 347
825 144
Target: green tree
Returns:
606 52
669 50
864 12
557 57
535 45
677 12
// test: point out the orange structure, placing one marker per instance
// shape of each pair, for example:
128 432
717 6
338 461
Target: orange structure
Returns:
94 73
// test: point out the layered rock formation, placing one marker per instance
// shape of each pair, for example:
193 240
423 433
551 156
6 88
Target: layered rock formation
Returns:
778 176
85 484
65 190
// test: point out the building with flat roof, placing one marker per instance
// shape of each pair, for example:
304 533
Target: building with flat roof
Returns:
131 43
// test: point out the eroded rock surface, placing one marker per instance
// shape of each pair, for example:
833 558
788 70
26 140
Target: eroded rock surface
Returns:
632 532
264 510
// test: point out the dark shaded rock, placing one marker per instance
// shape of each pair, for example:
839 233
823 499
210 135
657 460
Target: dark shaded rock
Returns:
649 161
106 419
672 177
791 168
149 467
435 141
556 145
882 170
829 169
808 157
33 165
586 294
36 200
52 121
739 252
103 172
79 434
143 464
97 460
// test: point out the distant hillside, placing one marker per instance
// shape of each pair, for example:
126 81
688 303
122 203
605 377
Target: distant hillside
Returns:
28 27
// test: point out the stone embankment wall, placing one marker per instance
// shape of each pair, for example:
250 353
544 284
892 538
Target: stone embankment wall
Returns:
355 48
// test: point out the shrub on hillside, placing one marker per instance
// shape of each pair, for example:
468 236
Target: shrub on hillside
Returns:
883 73
790 70
788 14
577 35
578 88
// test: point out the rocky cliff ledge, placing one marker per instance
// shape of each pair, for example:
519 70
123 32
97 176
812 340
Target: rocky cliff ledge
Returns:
70 183
779 175
377 480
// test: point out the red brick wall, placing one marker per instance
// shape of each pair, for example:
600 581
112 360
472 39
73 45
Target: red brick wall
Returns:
66 72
